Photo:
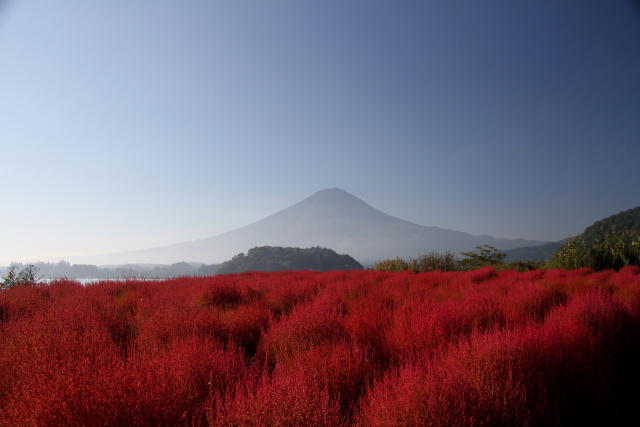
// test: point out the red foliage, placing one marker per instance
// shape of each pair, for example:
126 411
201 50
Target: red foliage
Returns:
338 348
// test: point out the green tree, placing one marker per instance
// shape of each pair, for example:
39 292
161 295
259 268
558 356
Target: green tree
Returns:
482 256
434 261
396 264
26 276
614 251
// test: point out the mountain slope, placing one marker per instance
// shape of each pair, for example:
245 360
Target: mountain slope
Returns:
625 221
628 220
330 218
533 253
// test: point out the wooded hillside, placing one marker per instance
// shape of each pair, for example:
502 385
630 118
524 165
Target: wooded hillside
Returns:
275 258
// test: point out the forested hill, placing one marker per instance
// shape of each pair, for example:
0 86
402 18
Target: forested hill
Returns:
626 221
275 258
625 224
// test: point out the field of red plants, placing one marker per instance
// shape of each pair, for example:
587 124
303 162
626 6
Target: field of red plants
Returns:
359 348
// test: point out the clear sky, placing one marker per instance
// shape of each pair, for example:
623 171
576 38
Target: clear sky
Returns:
134 124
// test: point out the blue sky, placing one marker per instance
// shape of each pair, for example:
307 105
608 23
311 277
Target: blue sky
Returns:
128 125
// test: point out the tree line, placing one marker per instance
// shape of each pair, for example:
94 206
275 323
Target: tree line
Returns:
610 250
50 270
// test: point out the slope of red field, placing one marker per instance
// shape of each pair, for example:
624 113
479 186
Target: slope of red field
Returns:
361 348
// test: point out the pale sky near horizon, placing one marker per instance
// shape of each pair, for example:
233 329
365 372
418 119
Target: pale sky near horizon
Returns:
130 125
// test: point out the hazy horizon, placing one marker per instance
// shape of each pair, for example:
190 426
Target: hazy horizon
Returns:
134 126
330 218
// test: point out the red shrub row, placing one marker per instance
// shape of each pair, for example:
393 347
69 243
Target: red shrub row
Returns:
338 348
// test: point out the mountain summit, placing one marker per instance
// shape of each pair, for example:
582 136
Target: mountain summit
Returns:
331 212
330 218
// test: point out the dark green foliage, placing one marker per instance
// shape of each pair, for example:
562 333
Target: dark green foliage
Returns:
628 220
26 276
615 250
482 256
611 243
395 264
275 258
433 261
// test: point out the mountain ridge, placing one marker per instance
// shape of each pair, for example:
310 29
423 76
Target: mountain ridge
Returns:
624 221
330 218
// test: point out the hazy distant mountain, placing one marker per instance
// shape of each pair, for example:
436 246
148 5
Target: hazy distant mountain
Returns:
330 218
534 253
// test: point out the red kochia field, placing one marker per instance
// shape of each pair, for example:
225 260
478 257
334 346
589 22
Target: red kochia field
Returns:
362 348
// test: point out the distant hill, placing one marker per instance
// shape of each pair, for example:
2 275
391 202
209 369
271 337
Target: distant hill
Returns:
533 253
269 258
330 218
628 220
608 244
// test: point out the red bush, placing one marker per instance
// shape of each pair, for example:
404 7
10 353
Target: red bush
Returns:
338 348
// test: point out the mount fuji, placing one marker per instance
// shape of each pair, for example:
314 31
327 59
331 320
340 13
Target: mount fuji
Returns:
330 218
